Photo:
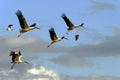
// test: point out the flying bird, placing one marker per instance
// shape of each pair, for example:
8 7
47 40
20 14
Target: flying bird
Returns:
9 28
16 58
77 36
54 37
70 25
23 23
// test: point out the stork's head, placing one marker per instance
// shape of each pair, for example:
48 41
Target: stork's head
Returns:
64 38
33 26
36 28
12 53
81 25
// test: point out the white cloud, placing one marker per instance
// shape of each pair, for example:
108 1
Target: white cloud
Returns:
35 71
6 72
42 71
28 73
42 79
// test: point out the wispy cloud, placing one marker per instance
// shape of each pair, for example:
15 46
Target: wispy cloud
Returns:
26 44
97 6
71 60
73 56
92 77
77 56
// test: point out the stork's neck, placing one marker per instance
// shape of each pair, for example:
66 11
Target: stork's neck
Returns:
59 39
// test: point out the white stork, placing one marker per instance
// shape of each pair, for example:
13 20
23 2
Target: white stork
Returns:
70 25
77 36
16 58
23 23
54 37
9 28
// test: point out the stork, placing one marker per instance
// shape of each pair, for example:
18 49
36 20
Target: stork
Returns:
16 58
70 25
54 37
77 36
23 23
9 28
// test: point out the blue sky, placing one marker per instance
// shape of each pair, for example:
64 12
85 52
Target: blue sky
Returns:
94 55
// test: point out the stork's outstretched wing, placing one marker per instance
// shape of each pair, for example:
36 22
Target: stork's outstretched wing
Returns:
67 21
22 20
52 33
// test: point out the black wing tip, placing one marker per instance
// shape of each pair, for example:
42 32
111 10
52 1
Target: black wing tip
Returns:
10 25
19 53
51 29
18 12
63 15
77 35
